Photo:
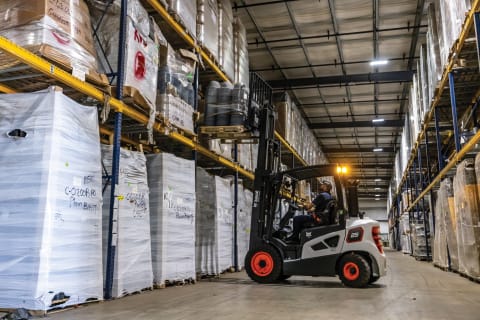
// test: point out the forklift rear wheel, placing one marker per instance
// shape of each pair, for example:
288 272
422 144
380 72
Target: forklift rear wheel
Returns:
263 264
354 271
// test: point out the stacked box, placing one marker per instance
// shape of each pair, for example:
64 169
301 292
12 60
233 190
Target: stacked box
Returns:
423 81
240 49
440 255
133 253
225 37
405 232
467 215
186 12
172 217
59 30
215 220
244 225
50 201
176 111
208 25
448 211
141 48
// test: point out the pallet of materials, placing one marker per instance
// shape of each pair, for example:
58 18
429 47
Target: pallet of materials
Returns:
50 202
131 226
172 216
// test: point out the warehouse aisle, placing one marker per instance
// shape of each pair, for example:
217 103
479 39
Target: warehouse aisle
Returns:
412 290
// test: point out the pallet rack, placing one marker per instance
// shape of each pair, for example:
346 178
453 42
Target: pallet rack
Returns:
427 165
46 73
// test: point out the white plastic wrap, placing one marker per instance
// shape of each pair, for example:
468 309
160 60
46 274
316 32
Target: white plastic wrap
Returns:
62 27
172 217
186 10
225 40
467 215
133 254
405 232
242 71
176 111
50 201
207 25
141 51
215 246
448 209
244 225
440 256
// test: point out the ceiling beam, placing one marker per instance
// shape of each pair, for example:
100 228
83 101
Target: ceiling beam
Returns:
372 178
395 76
353 150
333 64
319 104
329 35
267 3
358 124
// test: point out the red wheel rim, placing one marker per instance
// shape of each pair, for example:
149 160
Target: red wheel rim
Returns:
351 271
262 263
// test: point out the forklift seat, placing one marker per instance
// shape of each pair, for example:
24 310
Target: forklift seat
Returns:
319 230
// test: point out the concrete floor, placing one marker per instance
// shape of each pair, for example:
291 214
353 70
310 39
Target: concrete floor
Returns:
412 290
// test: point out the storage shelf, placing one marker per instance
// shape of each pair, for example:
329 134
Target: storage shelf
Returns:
56 73
160 9
455 52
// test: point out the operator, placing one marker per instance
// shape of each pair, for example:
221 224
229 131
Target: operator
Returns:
316 209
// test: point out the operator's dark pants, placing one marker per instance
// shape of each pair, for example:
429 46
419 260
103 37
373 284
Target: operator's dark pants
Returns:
298 224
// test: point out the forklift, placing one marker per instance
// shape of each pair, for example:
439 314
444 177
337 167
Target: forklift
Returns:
349 247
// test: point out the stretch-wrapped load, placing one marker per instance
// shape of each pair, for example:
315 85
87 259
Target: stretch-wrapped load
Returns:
405 231
467 215
186 12
433 52
59 30
50 201
172 217
141 50
244 214
133 255
226 104
225 37
440 255
448 209
242 71
207 25
215 219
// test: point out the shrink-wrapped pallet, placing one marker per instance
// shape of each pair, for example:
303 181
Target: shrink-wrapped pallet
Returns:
141 49
186 12
207 26
405 232
131 227
59 30
448 209
467 215
215 248
244 225
440 255
225 37
242 71
172 217
50 202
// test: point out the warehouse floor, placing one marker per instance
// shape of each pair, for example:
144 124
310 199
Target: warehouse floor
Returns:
411 290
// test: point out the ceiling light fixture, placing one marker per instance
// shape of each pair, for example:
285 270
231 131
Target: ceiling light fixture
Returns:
377 188
377 149
378 179
377 195
378 62
378 120
377 199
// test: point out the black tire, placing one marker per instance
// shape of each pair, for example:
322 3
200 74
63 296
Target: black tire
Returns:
373 279
263 264
354 271
283 277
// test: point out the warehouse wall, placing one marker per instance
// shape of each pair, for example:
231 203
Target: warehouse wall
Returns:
376 210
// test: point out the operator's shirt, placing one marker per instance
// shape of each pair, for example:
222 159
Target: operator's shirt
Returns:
321 201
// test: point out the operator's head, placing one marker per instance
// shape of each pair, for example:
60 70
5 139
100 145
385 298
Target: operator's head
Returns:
325 186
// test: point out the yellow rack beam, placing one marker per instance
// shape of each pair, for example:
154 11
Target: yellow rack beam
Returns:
457 47
64 77
6 89
289 148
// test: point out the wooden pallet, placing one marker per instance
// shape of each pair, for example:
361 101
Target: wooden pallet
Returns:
43 313
174 283
473 279
446 269
232 133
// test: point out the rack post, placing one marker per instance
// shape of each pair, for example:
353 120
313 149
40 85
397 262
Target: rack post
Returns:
112 219
453 101
235 209
477 33
441 163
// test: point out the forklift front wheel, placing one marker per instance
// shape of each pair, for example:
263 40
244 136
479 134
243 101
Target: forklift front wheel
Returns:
354 271
263 264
